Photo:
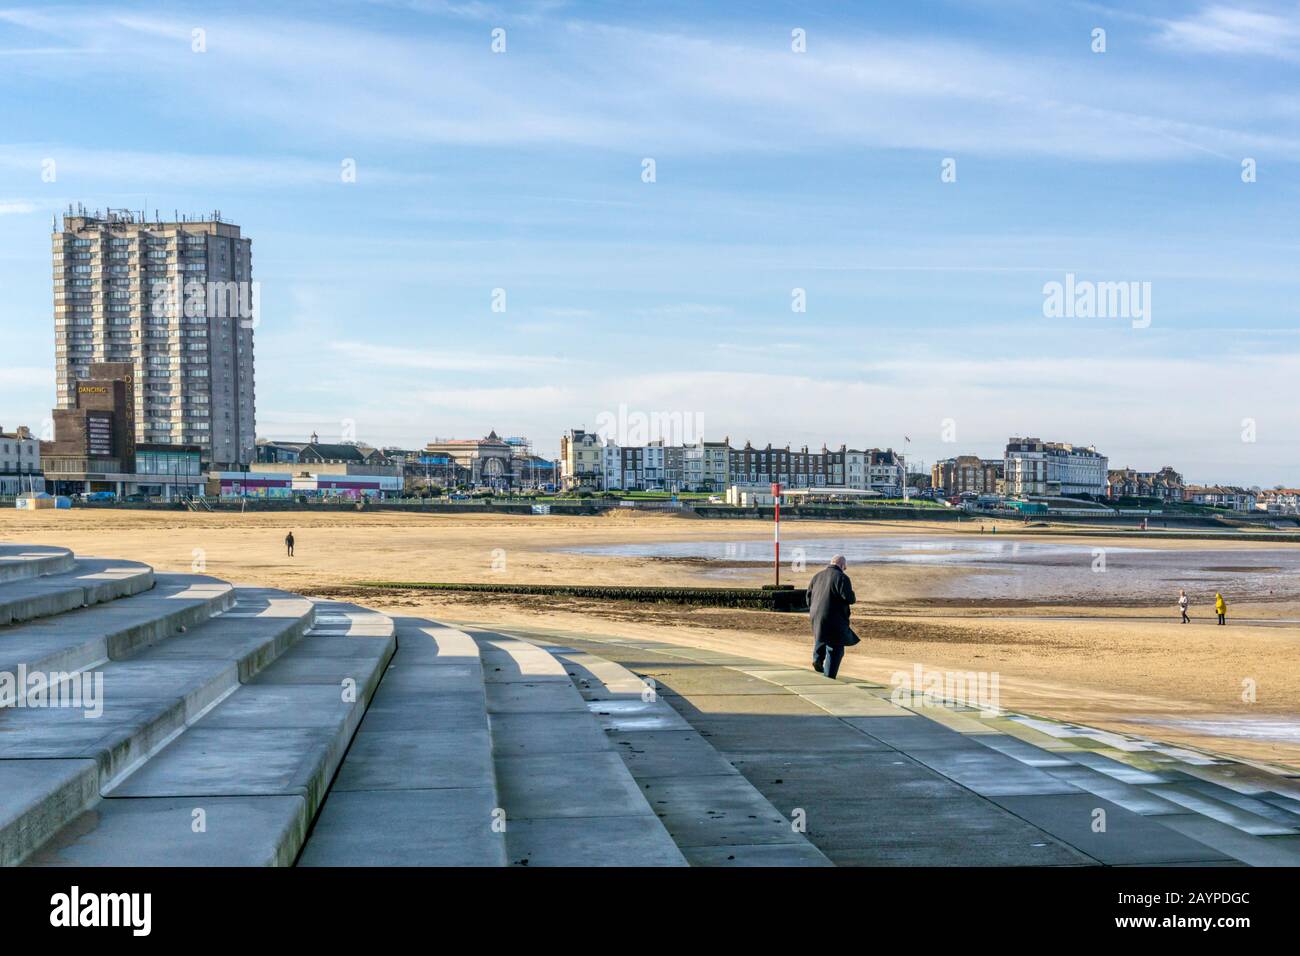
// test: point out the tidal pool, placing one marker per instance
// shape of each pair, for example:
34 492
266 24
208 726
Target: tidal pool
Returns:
1007 569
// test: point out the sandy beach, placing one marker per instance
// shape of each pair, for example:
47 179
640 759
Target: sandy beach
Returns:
1119 664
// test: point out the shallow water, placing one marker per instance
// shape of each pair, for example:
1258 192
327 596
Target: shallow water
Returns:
1279 729
1017 570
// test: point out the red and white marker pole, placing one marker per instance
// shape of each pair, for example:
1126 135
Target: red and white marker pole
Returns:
776 534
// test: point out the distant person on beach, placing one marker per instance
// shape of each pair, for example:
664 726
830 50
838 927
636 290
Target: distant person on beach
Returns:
288 543
1221 608
830 593
1182 606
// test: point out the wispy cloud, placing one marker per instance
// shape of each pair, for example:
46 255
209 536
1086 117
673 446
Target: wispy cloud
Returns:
1236 31
132 168
439 361
662 91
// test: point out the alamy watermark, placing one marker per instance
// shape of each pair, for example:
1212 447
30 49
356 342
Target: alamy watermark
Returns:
632 428
927 688
34 688
1084 299
218 300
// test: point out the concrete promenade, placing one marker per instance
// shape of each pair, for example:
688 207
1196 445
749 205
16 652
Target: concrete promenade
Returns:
883 785
184 721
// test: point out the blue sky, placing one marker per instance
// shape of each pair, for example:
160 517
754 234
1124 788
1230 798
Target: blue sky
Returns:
774 170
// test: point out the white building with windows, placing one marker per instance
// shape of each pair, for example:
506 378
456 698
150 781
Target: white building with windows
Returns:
611 466
1032 466
20 462
653 467
885 472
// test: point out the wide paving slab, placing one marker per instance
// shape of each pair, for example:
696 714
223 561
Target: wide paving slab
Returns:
879 783
714 815
417 786
567 796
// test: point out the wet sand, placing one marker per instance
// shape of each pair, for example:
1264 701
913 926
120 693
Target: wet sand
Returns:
1120 664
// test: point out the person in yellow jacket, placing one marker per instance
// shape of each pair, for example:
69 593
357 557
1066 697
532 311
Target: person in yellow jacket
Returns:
1220 608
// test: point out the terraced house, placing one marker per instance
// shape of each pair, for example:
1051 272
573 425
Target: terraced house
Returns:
1221 496
592 464
1165 484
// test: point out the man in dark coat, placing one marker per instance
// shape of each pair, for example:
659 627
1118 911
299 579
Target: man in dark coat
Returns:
830 593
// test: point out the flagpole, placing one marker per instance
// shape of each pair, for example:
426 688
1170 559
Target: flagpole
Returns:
906 441
776 534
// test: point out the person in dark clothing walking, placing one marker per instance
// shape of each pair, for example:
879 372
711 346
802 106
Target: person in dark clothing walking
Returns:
288 543
830 593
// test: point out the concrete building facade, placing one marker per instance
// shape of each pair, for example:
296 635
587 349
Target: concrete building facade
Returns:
177 302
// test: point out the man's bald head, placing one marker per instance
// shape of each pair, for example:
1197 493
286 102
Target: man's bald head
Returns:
839 562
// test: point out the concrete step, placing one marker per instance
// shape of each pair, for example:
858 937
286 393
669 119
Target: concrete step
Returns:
568 798
1218 803
81 639
886 785
714 815
114 714
32 560
243 781
417 787
92 581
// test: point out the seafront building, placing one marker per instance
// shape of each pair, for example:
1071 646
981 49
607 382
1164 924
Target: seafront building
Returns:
314 451
1035 467
95 448
587 461
500 464
1165 484
313 469
967 474
173 300
20 462
705 465
1222 496
330 479
591 463
1279 501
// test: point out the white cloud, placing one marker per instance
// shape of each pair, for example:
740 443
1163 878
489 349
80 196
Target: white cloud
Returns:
1236 31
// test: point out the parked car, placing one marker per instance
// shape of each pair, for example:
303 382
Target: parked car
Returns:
100 496
137 497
